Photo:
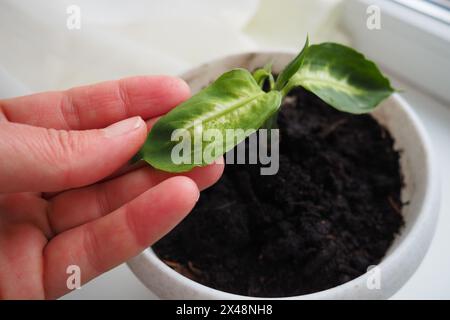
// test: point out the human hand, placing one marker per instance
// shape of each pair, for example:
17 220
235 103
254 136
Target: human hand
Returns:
57 205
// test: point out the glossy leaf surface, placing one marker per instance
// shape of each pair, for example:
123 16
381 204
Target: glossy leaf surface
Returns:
342 77
234 101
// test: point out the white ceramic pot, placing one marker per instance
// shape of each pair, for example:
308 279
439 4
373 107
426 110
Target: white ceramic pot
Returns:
421 191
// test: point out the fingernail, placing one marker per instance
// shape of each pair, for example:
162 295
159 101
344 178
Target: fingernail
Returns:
220 160
123 127
198 197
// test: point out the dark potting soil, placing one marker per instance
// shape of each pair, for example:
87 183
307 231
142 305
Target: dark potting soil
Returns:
332 210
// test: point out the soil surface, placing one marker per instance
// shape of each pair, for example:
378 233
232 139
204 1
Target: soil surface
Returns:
332 210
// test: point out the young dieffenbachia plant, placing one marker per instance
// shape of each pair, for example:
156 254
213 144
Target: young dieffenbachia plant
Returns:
338 75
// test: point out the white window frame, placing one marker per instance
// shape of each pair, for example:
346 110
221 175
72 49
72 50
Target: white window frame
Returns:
412 44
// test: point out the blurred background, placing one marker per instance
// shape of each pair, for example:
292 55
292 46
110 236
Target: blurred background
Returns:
43 47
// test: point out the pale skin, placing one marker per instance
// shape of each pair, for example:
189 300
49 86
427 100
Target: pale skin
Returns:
63 198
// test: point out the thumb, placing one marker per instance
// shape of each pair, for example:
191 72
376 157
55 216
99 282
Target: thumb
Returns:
48 160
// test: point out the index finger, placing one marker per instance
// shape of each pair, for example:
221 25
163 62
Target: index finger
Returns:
99 105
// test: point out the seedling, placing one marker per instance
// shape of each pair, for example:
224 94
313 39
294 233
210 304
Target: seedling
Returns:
239 99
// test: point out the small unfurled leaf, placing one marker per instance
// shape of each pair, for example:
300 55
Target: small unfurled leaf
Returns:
291 68
342 77
234 101
264 74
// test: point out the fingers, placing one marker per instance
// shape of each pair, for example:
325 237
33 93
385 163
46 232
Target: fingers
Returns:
126 168
100 245
21 264
99 105
76 207
38 159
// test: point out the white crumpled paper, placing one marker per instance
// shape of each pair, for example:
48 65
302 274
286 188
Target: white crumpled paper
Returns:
123 38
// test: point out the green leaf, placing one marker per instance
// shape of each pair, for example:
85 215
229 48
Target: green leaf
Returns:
291 68
233 101
342 77
261 75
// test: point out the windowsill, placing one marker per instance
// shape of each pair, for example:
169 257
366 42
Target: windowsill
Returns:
411 45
